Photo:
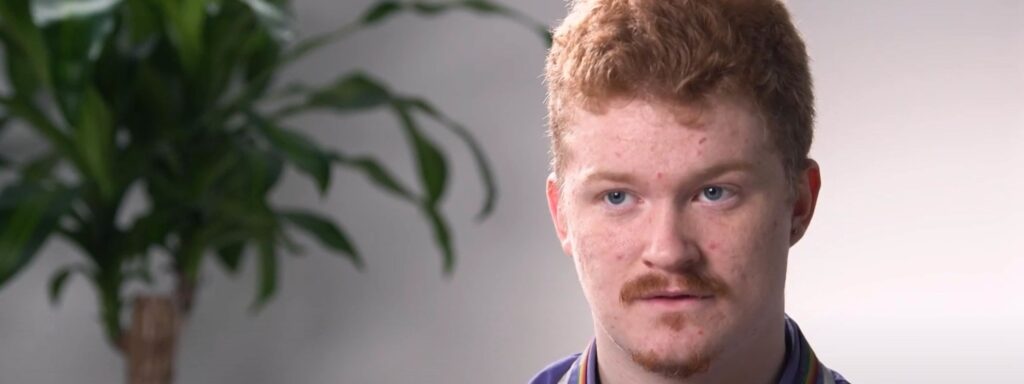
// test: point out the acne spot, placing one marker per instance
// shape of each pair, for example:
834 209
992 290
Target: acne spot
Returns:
659 175
702 140
619 257
713 246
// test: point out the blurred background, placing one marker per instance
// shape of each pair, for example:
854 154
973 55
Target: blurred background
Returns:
909 273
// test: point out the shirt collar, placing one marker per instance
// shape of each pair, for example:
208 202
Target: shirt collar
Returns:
800 366
584 370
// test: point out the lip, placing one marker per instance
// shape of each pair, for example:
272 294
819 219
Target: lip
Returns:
676 300
670 294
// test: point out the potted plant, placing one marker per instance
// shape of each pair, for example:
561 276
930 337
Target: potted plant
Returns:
177 100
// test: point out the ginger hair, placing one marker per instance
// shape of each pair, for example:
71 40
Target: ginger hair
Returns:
682 51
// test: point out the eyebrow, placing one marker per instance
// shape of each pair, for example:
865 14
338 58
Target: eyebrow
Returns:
623 177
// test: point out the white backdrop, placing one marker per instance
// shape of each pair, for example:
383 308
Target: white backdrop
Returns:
909 273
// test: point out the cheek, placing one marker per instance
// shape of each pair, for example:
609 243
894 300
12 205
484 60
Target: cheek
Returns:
599 250
749 250
603 254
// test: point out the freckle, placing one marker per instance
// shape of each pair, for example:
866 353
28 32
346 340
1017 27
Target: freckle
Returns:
702 140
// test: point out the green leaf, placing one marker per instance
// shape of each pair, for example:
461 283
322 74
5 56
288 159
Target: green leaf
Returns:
381 11
20 71
300 151
57 284
442 236
267 284
487 7
46 12
148 230
27 63
261 58
184 19
4 162
60 279
238 220
230 256
41 167
389 8
94 135
377 174
350 93
259 174
36 119
230 32
75 32
273 19
109 282
490 188
141 24
244 39
433 173
28 214
433 169
385 9
546 35
431 9
215 167
326 232
189 256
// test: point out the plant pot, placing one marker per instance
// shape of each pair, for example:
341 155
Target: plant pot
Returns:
151 341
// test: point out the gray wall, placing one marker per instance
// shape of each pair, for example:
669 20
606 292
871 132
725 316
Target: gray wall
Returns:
910 272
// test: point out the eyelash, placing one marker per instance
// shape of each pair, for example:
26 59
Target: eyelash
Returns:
606 196
727 192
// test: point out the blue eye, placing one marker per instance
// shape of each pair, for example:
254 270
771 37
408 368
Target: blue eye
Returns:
713 193
615 197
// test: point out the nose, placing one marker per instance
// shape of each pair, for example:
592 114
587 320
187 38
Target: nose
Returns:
670 246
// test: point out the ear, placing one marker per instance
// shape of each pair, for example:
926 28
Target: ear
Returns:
808 185
554 193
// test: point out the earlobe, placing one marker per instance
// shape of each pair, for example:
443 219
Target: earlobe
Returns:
809 184
554 195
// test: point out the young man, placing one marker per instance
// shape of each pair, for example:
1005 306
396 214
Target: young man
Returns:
680 131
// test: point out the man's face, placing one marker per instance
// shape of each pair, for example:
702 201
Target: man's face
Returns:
679 220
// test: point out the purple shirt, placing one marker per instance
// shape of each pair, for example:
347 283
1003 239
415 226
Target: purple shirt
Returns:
801 366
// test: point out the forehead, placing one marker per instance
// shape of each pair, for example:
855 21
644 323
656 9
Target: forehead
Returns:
647 136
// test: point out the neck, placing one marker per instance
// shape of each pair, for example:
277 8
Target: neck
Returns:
756 359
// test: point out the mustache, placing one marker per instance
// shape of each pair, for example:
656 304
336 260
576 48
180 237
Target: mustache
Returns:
700 282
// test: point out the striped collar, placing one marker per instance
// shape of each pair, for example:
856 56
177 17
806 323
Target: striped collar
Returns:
584 369
801 365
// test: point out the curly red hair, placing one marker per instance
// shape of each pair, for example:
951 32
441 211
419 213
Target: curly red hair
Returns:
681 51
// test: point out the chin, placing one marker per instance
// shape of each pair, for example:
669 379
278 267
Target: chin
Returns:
674 351
681 360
